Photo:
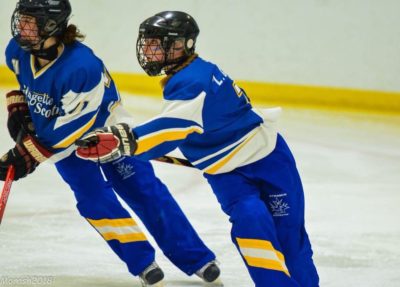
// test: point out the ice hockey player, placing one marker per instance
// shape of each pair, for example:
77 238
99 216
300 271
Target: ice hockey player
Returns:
66 91
247 163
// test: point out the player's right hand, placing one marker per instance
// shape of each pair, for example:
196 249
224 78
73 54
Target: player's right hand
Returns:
19 116
107 144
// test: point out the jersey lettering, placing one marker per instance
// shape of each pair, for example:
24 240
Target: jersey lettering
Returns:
42 104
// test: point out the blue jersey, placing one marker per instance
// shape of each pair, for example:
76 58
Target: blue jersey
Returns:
210 119
68 97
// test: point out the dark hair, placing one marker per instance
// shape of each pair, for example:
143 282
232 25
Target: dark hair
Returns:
71 34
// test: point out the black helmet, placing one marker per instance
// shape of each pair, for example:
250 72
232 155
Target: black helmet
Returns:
51 20
168 27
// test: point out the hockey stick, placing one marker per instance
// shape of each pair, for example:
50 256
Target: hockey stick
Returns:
174 160
6 190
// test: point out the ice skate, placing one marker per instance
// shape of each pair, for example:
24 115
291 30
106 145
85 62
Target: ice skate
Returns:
152 276
210 274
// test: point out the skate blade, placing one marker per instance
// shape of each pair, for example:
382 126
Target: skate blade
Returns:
216 283
158 284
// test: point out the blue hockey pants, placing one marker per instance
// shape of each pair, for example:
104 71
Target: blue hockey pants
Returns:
135 182
265 204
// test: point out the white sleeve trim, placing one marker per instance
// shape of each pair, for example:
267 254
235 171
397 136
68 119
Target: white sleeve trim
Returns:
191 110
73 104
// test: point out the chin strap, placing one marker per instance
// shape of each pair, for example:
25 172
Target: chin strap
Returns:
49 53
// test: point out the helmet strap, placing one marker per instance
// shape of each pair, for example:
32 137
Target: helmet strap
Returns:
48 54
184 62
173 64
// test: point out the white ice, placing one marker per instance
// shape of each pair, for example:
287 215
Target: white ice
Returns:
350 165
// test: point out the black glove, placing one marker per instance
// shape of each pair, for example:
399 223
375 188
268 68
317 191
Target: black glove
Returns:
27 154
19 116
20 159
107 144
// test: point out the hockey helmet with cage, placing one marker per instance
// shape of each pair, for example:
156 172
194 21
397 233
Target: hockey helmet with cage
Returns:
167 27
51 19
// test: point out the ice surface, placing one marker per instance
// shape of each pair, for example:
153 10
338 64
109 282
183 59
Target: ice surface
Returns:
350 165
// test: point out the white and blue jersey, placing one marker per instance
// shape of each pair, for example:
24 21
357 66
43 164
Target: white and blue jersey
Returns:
210 119
67 97
247 164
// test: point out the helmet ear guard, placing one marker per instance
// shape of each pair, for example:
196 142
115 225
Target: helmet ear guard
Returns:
189 44
50 26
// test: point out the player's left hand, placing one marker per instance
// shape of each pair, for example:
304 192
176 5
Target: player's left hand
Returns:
107 144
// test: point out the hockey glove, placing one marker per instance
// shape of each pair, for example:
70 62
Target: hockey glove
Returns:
18 114
107 144
25 157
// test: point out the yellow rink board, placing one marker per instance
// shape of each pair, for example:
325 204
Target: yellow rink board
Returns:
268 94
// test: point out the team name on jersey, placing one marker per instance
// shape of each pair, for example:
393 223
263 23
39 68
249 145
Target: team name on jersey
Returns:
43 104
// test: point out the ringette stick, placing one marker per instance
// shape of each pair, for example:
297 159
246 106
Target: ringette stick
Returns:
6 190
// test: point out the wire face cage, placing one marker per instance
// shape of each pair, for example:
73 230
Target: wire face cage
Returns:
157 56
151 55
25 30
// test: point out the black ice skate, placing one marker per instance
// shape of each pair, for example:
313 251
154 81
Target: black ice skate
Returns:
210 274
152 276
